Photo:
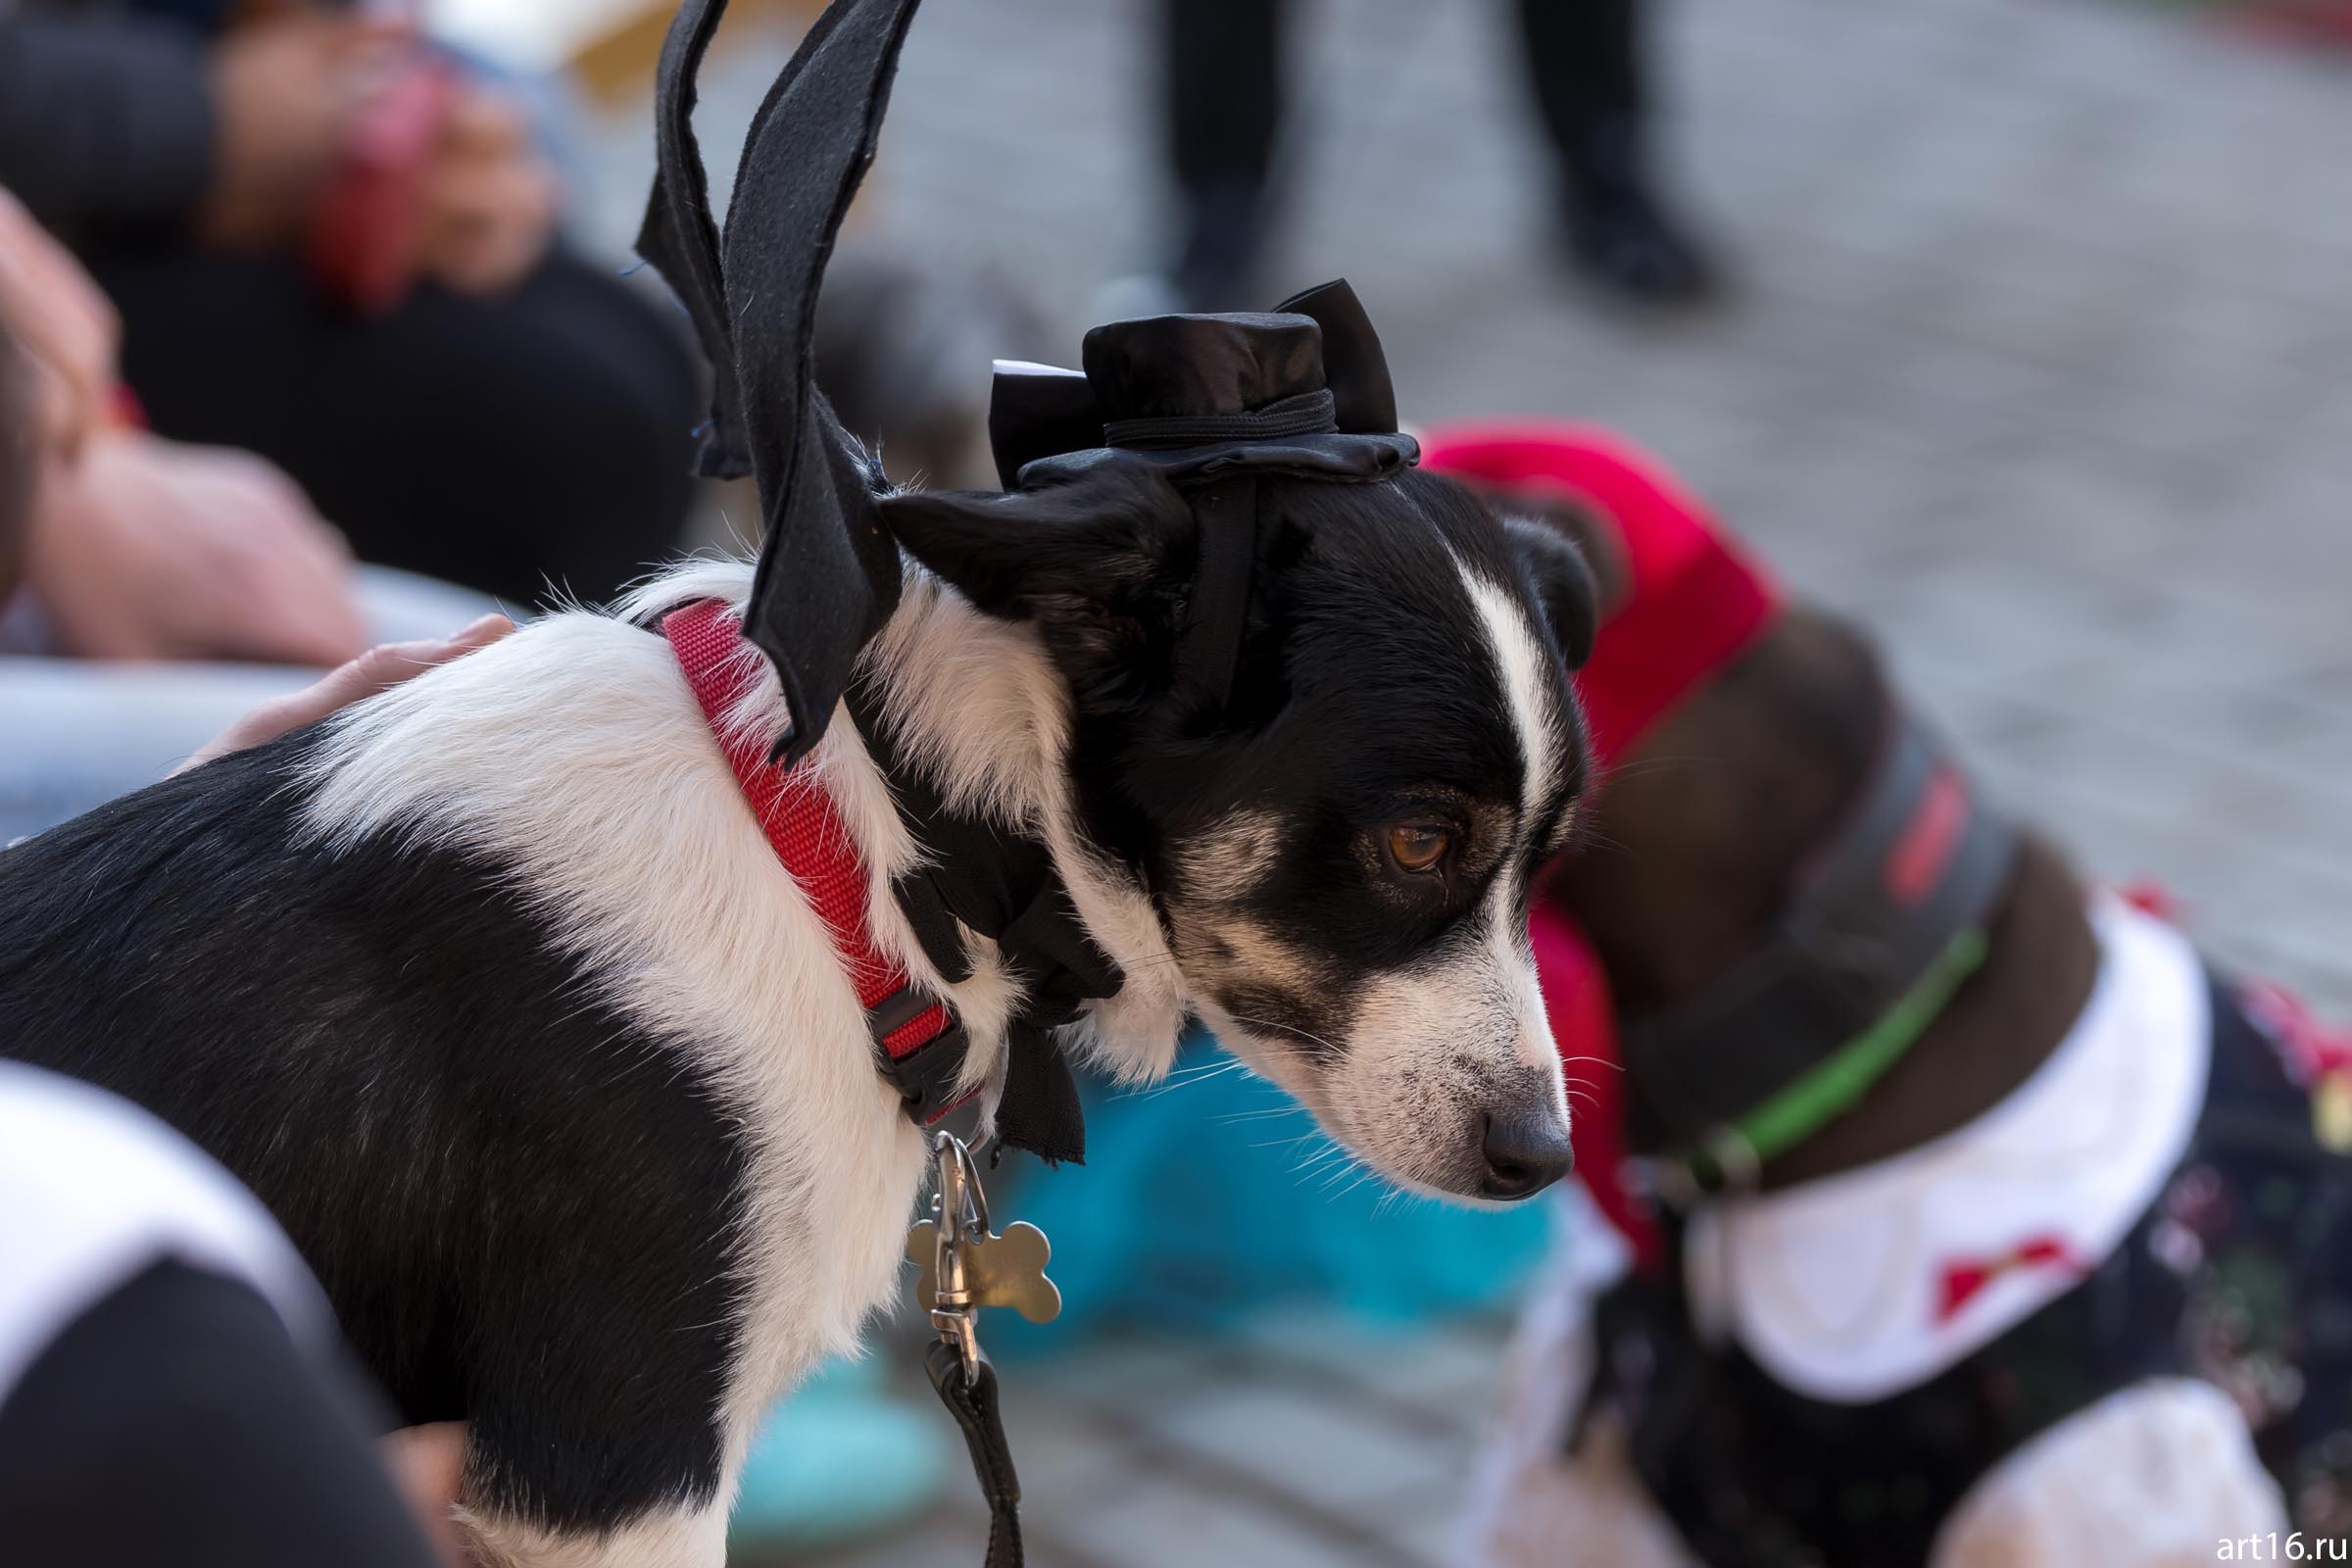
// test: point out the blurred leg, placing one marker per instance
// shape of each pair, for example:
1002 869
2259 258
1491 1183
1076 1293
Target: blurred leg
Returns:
1585 58
501 443
1223 85
1589 70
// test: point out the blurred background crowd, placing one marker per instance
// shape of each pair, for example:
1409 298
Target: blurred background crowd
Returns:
2015 330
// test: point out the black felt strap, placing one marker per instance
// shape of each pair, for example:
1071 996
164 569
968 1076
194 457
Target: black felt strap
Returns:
1225 512
974 1404
679 236
828 574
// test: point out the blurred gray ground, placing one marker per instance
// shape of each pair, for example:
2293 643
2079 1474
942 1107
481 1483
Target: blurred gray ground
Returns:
2040 367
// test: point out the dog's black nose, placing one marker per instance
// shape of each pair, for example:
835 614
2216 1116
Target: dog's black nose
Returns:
1526 1151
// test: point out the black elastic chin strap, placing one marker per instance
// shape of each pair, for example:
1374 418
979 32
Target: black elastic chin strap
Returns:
1225 521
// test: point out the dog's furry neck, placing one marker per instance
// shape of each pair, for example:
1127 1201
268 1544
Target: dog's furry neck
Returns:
978 707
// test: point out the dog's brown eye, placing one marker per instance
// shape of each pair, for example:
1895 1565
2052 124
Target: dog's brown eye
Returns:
1418 845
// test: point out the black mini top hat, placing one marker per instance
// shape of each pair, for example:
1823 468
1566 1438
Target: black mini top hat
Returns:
1303 390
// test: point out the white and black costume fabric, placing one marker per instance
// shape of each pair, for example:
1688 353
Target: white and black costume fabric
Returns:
2101 1323
171 1381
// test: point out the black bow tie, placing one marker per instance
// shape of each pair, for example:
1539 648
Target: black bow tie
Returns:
1004 887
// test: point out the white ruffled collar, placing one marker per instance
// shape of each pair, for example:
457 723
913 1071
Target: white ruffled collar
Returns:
1861 1285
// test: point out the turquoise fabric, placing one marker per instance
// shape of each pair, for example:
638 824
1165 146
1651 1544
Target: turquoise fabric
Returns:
1213 1197
839 1461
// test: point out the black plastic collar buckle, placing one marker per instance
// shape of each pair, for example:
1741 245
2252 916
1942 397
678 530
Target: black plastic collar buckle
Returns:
927 1075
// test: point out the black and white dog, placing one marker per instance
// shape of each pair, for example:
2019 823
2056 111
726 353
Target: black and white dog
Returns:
493 990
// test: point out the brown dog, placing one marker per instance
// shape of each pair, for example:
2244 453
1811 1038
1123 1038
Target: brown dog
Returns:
2034 1261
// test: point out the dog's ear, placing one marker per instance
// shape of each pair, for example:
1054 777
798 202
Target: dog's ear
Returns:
1563 586
1110 541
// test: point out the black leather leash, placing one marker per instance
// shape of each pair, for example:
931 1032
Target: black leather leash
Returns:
968 1388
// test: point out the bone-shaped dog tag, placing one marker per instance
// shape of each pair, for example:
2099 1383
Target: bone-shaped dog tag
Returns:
998 1270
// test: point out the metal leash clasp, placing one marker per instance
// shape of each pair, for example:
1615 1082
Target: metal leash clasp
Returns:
958 1215
966 1266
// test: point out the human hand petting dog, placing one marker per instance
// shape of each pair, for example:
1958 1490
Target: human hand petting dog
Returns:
379 669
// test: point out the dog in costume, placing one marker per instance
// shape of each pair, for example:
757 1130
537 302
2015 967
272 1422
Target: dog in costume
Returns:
1937 1206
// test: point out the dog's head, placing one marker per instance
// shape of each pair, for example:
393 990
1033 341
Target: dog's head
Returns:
1340 851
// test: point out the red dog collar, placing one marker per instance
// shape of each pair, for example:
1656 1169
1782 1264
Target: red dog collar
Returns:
919 1045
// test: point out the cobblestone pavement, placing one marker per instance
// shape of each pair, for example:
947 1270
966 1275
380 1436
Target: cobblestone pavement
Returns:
2042 366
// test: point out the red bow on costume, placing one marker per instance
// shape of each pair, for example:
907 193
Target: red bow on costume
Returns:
1965 1277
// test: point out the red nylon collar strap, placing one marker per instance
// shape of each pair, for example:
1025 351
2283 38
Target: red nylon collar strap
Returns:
918 1045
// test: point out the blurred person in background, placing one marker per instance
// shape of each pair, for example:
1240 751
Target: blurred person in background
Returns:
150 591
1226 72
331 247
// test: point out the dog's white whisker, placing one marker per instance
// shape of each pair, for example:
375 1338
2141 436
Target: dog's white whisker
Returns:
1307 1035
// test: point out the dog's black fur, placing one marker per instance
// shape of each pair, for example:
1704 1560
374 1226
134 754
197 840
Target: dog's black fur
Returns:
382 1043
